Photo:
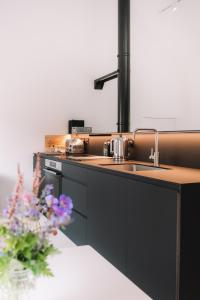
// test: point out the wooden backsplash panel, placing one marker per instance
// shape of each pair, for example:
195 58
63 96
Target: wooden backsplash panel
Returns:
175 148
54 141
180 149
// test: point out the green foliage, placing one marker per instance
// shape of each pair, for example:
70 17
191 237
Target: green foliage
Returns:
3 231
29 250
37 260
4 264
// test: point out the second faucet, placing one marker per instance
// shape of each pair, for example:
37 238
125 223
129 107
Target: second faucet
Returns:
154 155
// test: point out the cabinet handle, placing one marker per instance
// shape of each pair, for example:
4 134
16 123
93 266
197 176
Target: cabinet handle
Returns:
51 172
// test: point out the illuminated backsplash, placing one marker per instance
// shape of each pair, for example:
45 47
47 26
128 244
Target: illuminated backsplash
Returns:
175 148
56 143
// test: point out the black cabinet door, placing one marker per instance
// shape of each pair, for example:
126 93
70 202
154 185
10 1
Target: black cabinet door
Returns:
77 230
107 209
78 192
152 239
74 172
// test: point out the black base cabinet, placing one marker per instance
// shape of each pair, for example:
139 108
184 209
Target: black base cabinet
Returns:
148 229
107 214
74 185
151 251
133 225
76 231
190 243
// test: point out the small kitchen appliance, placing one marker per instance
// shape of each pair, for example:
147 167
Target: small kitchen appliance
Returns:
75 123
74 146
119 147
87 130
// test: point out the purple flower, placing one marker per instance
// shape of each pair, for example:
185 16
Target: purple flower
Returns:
66 203
16 226
59 211
33 213
47 190
51 200
5 212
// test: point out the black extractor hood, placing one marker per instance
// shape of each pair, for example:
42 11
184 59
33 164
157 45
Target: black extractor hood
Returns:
123 71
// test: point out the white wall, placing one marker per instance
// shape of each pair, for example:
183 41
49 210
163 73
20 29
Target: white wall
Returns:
50 53
52 50
165 64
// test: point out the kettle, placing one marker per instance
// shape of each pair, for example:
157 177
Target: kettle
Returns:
118 148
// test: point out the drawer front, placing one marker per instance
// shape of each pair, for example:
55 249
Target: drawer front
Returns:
75 172
77 230
78 193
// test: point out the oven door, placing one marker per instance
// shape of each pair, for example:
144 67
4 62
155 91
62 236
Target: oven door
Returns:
54 178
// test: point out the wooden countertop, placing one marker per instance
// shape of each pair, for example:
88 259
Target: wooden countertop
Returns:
174 174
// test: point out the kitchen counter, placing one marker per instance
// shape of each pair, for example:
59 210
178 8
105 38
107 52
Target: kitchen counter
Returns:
173 174
150 225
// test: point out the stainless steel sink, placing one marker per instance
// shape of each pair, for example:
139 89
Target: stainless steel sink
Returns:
134 167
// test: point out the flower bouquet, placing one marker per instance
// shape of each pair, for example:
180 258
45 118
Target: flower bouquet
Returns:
24 235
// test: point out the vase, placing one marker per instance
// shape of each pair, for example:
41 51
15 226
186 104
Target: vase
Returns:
18 283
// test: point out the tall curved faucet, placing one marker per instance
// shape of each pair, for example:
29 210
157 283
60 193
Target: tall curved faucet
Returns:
154 152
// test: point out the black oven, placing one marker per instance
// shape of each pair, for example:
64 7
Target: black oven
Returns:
53 175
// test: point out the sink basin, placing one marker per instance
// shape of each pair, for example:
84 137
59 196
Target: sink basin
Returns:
134 167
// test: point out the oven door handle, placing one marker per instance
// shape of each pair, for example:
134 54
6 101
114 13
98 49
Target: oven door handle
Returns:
51 172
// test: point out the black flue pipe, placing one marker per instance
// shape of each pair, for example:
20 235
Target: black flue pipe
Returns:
123 123
123 72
